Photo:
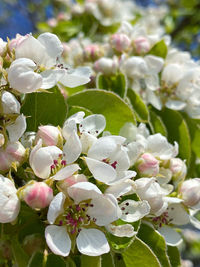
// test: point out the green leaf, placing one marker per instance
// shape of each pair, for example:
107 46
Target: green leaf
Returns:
159 49
21 258
36 260
139 254
119 244
156 242
90 261
116 83
177 131
115 110
44 108
174 256
107 260
194 128
139 106
54 260
157 124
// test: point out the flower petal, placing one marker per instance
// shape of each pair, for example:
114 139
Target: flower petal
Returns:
72 148
9 103
87 140
31 48
172 238
101 171
177 214
124 230
104 210
22 77
51 77
92 242
76 77
105 146
53 46
93 124
66 172
83 191
121 188
58 240
55 207
133 211
17 129
9 202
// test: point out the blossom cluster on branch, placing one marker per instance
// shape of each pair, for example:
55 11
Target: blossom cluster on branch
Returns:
100 171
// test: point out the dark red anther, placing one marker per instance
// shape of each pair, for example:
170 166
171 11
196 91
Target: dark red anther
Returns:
114 164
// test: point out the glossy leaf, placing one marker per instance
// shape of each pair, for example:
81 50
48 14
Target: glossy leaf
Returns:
157 124
116 83
156 242
177 131
174 256
159 49
90 261
21 258
140 254
54 260
36 260
44 108
139 106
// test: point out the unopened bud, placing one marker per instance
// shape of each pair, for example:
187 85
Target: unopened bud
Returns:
148 165
105 65
50 135
14 43
190 191
178 169
14 152
37 195
93 52
142 45
52 22
120 42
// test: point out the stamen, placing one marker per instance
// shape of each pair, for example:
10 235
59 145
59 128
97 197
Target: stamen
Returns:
63 162
114 164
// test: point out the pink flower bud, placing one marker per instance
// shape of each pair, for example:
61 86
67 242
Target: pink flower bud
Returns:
92 52
105 65
50 135
14 43
190 191
142 45
37 195
64 184
120 42
52 22
178 169
148 165
14 152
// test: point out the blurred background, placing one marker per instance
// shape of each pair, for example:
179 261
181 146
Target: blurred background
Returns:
181 21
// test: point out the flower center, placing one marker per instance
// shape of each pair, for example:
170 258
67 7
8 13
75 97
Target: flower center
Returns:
75 217
58 164
161 220
107 161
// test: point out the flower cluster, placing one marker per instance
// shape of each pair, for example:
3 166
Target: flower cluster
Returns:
93 181
87 179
